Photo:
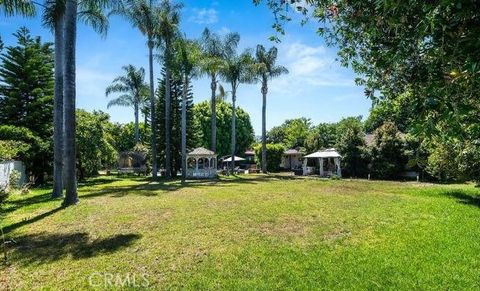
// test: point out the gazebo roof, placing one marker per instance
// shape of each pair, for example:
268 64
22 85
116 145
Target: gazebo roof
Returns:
291 152
328 153
201 152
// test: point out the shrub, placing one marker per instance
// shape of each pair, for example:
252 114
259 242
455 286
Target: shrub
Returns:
274 156
13 180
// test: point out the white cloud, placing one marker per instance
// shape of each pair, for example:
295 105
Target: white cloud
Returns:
204 16
310 67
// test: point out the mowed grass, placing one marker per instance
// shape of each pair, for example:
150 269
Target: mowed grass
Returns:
247 232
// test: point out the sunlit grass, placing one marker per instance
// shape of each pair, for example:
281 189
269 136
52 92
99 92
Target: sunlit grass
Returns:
254 231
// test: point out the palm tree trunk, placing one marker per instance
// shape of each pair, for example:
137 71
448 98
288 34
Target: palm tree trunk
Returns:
264 126
137 133
69 103
213 105
168 127
152 110
58 110
234 127
184 128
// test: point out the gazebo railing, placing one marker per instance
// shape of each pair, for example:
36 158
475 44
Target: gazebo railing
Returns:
201 173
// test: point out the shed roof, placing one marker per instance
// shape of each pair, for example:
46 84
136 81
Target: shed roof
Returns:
328 153
201 152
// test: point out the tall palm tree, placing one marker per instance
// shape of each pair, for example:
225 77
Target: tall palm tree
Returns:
168 24
54 17
265 69
236 70
133 88
187 58
143 15
215 49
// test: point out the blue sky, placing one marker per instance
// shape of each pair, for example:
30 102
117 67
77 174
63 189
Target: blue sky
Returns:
317 86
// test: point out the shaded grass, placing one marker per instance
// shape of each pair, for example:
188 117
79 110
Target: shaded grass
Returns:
249 232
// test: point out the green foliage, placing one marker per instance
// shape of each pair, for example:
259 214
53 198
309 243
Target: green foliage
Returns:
37 157
387 152
322 136
274 156
123 135
11 149
94 143
175 121
292 133
26 101
351 145
26 85
400 111
245 136
441 162
469 160
14 179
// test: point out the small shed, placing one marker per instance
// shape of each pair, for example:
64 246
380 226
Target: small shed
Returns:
324 163
201 164
6 168
291 160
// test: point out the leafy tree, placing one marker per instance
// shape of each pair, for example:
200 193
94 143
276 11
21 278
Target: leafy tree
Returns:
26 99
26 84
322 136
245 136
135 92
11 149
94 144
387 152
265 69
351 145
215 51
274 156
39 154
292 133
122 135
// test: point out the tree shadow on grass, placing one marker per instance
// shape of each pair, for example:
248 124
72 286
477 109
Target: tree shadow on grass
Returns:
16 225
154 188
464 198
42 248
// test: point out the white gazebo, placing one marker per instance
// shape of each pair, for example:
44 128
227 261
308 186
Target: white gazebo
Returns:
201 164
324 163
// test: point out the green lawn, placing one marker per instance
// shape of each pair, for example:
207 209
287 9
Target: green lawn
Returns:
249 232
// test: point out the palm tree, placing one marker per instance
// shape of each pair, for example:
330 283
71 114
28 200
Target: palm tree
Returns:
54 17
265 68
169 20
144 16
13 7
222 94
235 71
187 58
134 90
215 49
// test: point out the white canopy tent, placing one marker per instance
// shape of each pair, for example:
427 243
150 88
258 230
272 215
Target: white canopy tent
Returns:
328 163
235 158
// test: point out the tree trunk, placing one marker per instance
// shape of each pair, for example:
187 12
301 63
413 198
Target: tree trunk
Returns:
234 127
152 110
213 105
58 139
264 126
184 128
168 127
137 133
69 103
